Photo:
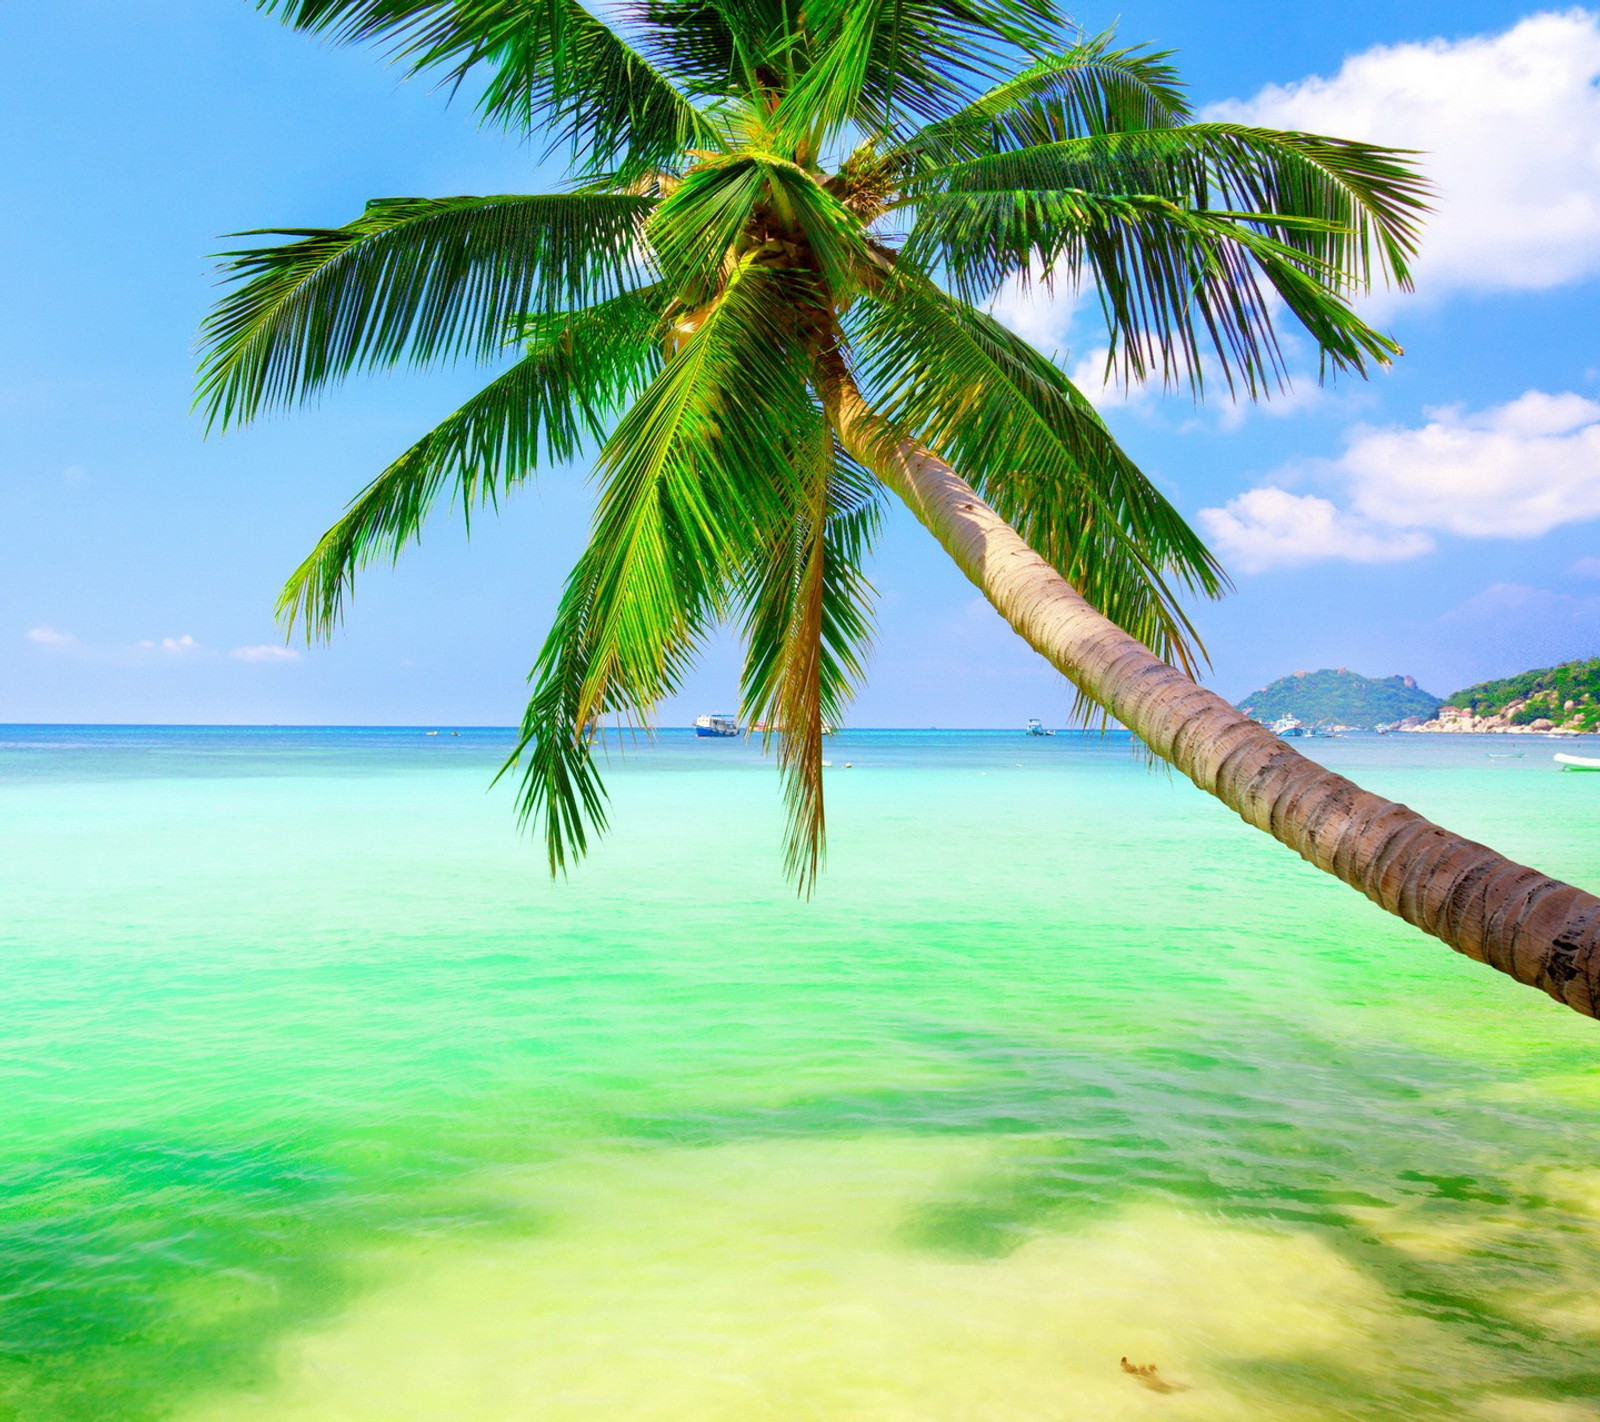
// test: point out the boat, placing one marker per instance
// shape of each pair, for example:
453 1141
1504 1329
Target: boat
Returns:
1577 762
1505 755
717 723
1288 727
1035 727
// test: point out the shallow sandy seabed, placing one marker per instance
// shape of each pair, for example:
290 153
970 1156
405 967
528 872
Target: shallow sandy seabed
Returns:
775 1281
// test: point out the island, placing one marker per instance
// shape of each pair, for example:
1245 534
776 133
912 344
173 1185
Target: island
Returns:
1562 698
1340 698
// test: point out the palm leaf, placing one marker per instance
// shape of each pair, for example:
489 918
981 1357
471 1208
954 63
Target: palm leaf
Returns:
1088 88
692 478
1368 199
418 279
695 227
724 47
1033 446
1174 284
876 63
807 624
581 367
833 235
549 65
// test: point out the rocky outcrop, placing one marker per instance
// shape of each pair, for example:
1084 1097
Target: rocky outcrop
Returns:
1456 720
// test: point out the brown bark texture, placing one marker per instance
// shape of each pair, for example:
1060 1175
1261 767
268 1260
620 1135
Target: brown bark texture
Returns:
1537 929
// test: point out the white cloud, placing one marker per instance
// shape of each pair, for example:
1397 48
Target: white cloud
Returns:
1509 128
1303 393
1272 528
1104 386
177 646
1039 311
1586 568
265 653
49 637
1516 470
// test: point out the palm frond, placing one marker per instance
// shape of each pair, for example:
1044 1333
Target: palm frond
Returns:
559 786
1354 207
1088 88
548 66
580 369
693 476
721 48
807 623
958 381
884 66
1174 284
833 234
411 279
695 227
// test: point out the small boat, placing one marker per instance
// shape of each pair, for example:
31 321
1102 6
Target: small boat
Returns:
1577 762
1288 727
1505 755
1035 727
717 723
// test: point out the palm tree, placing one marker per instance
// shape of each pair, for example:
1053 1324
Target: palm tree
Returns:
762 297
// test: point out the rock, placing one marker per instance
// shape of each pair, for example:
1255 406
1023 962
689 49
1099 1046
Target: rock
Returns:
1541 725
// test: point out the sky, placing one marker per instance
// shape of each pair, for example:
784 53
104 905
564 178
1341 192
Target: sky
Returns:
1441 520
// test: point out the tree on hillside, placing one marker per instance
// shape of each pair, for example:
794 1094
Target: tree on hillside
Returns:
761 296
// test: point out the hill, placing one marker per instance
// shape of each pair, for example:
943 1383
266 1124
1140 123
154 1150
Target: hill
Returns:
1567 695
1341 698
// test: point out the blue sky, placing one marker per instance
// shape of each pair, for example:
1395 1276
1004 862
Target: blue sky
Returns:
1440 520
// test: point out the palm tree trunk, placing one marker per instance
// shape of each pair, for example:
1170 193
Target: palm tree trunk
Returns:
1537 929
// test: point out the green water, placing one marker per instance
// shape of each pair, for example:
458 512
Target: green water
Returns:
320 1103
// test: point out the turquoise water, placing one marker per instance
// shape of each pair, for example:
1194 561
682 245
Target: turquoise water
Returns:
321 1102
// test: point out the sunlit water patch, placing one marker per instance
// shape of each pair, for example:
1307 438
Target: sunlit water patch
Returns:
321 1102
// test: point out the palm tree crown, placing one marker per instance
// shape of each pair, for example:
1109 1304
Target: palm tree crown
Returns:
773 203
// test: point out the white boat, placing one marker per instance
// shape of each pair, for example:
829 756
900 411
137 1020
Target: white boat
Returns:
1035 727
1577 762
1288 727
716 723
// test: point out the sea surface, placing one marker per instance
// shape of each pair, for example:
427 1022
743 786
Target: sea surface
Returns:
321 1102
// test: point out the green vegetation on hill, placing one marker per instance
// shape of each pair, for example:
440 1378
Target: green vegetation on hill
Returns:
1341 698
1568 694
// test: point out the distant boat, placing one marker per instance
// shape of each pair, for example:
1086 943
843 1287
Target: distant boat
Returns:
1577 762
1035 727
1506 755
717 723
1288 727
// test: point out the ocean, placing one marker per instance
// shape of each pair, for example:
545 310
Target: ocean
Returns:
321 1102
